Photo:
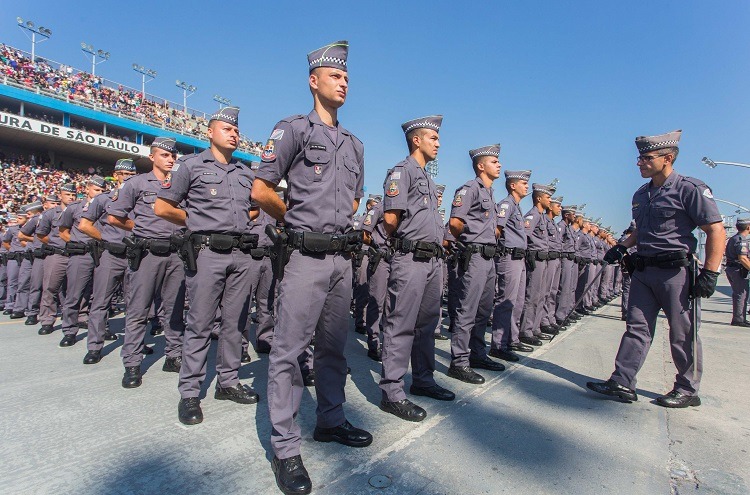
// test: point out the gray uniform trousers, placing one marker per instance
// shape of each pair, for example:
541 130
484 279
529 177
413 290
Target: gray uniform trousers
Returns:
567 295
476 295
377 285
12 271
625 292
313 298
157 274
443 293
511 291
3 283
360 293
35 287
533 304
651 290
550 301
264 291
413 310
585 276
617 286
452 268
223 280
24 286
607 279
52 285
108 276
80 273
740 288
591 294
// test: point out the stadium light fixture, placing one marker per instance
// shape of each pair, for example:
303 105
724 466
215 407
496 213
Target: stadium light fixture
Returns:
42 31
187 90
146 76
712 164
95 53
740 207
222 101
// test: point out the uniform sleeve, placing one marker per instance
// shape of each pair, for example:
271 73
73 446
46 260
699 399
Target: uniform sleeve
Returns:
359 190
503 213
463 201
45 224
371 219
278 154
66 220
95 209
744 248
700 205
447 236
125 201
29 227
8 236
177 187
530 222
396 190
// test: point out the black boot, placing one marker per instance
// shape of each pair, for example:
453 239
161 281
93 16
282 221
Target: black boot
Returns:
291 475
132 377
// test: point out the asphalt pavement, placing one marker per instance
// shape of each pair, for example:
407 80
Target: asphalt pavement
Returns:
69 428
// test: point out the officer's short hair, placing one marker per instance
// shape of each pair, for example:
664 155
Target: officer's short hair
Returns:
674 151
410 135
477 160
508 182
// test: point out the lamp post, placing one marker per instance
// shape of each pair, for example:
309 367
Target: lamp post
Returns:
187 90
712 164
95 53
742 208
42 31
145 73
222 101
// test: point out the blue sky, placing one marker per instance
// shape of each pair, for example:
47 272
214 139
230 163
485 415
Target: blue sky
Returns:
564 86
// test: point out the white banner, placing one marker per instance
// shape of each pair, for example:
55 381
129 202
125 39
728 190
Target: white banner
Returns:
70 134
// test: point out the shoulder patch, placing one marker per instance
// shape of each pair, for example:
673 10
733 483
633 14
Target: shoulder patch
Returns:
707 193
176 166
504 206
115 194
269 151
502 213
277 134
458 200
167 182
368 219
395 176
392 189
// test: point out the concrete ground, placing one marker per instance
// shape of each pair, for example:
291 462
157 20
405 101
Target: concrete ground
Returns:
67 428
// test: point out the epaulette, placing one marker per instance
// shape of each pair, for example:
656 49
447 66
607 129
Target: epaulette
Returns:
694 181
643 188
293 118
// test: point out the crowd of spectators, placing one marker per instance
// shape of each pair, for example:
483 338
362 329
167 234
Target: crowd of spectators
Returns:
81 87
26 178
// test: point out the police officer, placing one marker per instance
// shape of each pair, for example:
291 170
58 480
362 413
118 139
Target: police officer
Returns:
535 223
568 267
80 268
31 211
323 164
360 289
586 275
16 249
215 188
28 234
154 264
378 271
113 263
473 223
548 323
55 261
666 209
443 262
411 218
738 264
510 267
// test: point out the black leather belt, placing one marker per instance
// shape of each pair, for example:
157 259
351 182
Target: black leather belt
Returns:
422 250
487 251
115 248
226 242
667 259
319 243
539 255
553 255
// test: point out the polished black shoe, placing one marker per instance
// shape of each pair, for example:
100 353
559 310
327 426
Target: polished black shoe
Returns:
440 336
245 358
345 434
189 411
68 341
486 364
172 365
677 399
92 357
521 347
291 475
46 330
17 316
157 330
262 348
529 341
241 394
109 336
543 336
360 330
734 323
435 392
8 312
549 330
147 350
591 309
308 378
465 374
613 389
132 377
31 320
375 354
404 409
504 355
583 312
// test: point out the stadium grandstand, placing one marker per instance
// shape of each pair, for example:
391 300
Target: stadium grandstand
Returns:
60 122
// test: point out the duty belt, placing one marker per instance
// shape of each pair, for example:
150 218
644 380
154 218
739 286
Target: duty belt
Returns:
487 251
158 246
667 259
73 248
115 248
320 243
422 250
553 255
539 255
569 256
225 242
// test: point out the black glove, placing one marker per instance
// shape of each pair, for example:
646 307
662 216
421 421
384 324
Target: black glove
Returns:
705 285
615 254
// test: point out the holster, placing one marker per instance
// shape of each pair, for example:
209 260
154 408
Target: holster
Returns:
187 250
75 248
39 253
530 260
95 250
375 256
463 256
281 251
134 252
743 272
628 264
4 259
357 259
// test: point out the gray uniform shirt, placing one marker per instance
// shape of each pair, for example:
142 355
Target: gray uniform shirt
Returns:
474 205
737 245
409 189
510 219
258 226
536 230
568 242
585 247
49 226
666 216
11 236
373 223
97 214
216 196
29 229
555 234
324 175
72 216
137 196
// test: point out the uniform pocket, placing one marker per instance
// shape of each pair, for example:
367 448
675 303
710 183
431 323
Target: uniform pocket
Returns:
663 220
316 163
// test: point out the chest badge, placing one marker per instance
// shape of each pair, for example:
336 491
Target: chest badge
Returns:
213 192
318 169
